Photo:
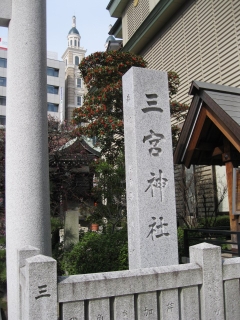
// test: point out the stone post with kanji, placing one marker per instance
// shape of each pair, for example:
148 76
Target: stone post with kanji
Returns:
152 229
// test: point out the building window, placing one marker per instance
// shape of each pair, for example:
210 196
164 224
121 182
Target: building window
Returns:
52 72
52 107
76 61
66 62
79 83
78 43
52 89
79 100
70 42
75 43
3 81
2 120
3 63
2 100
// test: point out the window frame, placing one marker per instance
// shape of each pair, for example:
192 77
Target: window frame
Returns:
79 86
2 123
79 97
4 82
54 105
4 65
55 72
55 89
76 58
3 98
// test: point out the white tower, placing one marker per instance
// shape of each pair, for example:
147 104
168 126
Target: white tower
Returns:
74 86
73 35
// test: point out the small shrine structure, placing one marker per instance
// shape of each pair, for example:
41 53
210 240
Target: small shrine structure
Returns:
211 136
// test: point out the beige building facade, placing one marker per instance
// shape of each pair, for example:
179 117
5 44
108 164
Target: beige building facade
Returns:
198 39
74 86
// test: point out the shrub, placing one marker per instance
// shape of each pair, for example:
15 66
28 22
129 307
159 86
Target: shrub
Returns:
97 252
222 221
219 221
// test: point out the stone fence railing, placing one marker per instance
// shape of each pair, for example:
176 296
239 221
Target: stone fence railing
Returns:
206 288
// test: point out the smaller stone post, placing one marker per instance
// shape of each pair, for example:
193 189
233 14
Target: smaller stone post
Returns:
209 258
38 285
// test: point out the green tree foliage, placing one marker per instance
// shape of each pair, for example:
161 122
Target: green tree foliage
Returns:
97 252
102 110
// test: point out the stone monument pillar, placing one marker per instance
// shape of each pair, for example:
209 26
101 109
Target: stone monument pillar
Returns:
27 176
152 232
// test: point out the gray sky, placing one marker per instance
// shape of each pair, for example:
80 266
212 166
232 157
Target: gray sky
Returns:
92 23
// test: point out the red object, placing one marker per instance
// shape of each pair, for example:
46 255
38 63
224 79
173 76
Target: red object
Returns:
94 227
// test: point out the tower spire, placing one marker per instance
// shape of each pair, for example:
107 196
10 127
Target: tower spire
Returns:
74 22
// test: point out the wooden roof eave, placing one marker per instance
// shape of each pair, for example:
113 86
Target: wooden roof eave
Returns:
229 128
187 129
203 106
193 139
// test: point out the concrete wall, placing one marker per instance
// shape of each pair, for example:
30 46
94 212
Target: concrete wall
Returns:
59 82
6 12
206 288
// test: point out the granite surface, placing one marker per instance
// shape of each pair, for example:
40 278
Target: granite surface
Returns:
27 172
152 231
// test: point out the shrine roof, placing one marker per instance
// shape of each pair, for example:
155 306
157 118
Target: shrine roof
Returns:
213 119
